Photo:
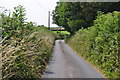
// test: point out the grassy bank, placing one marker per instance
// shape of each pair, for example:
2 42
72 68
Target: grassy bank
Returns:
99 43
61 34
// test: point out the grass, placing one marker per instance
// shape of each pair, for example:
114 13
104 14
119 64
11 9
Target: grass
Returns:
62 32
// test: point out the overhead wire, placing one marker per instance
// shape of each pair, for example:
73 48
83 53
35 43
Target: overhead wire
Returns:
46 10
41 5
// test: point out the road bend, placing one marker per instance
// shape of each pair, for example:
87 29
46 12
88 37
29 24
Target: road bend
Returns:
65 63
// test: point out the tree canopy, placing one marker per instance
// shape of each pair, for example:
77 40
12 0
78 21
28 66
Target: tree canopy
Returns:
75 15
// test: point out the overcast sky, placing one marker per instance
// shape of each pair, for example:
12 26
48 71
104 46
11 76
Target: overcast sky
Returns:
36 10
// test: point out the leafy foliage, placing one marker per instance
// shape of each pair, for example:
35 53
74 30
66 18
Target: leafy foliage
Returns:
61 34
100 43
73 15
14 23
25 48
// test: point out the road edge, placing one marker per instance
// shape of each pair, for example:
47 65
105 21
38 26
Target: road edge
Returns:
90 63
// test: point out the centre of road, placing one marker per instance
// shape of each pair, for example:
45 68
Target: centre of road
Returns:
65 63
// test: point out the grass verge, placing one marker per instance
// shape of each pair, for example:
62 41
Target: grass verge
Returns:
99 44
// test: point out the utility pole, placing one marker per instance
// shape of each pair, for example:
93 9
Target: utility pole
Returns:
49 20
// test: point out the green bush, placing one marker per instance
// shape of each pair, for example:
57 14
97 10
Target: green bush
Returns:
28 57
25 48
99 43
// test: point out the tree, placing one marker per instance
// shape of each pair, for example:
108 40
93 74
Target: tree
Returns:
14 23
73 16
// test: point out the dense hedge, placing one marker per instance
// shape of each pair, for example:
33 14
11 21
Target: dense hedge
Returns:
99 43
25 48
28 57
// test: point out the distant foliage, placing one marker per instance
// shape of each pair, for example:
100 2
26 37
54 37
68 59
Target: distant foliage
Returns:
25 48
100 43
75 15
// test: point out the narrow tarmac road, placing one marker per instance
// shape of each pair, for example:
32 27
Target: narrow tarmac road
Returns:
65 63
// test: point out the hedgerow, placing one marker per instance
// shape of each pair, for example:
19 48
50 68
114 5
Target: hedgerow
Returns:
100 43
25 48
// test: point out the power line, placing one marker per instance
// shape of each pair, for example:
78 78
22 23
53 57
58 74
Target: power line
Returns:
41 5
45 10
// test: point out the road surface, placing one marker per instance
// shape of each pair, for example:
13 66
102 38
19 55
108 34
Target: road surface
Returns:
65 63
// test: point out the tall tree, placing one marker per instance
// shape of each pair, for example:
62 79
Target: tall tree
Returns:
73 16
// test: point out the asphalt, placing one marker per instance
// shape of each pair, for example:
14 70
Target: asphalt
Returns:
65 63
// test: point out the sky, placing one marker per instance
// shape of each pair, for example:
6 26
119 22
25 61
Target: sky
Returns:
36 10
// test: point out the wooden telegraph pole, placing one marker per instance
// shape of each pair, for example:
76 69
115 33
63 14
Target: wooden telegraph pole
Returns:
49 20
